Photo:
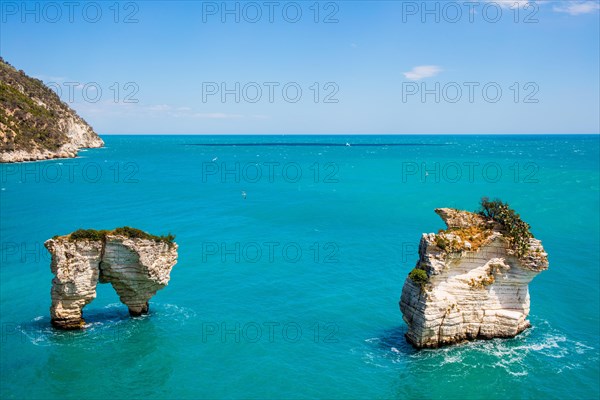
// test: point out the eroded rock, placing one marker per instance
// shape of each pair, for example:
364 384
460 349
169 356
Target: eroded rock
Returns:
476 285
136 268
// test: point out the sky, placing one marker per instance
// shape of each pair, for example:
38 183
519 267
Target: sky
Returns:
307 67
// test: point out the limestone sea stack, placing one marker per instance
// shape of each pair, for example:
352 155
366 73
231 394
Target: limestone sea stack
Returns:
471 280
135 263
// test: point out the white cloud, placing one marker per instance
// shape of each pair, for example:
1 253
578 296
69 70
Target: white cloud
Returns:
422 71
510 3
160 107
50 79
523 4
577 8
185 112
260 116
217 115
110 108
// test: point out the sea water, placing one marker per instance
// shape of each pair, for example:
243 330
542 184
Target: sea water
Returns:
292 256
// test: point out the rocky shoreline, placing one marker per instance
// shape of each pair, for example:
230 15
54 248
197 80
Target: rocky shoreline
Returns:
68 151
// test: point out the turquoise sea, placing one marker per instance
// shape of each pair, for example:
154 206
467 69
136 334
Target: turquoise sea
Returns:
293 252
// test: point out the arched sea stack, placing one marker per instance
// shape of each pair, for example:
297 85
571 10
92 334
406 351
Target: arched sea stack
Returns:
135 263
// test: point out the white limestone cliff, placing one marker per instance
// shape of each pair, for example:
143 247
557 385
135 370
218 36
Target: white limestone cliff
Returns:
475 284
137 268
35 124
79 136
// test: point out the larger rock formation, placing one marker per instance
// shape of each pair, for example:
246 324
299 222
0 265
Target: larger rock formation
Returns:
35 124
469 282
137 267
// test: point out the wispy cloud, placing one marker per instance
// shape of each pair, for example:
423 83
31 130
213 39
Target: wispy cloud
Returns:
160 107
217 115
577 7
48 79
422 72
510 3
187 112
260 116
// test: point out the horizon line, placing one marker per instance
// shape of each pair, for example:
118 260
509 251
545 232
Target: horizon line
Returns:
348 134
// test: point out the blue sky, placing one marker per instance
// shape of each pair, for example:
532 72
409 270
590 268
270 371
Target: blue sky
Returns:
361 66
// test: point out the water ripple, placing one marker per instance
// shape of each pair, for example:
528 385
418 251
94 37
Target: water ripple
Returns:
517 357
105 325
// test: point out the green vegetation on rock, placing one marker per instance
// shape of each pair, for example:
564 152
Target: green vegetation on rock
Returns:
25 122
132 233
517 231
34 119
88 234
418 276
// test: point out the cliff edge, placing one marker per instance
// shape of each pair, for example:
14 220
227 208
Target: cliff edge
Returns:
471 280
35 124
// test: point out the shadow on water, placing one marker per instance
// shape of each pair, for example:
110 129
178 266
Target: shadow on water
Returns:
393 339
132 346
103 325
109 324
113 312
113 354
387 349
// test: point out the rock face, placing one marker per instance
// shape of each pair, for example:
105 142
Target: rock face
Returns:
475 285
136 268
35 124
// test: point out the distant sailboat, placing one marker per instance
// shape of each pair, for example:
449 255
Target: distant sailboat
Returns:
244 195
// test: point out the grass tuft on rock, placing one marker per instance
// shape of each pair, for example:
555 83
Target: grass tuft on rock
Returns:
418 276
129 232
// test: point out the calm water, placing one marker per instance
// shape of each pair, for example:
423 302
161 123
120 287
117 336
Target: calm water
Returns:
293 291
